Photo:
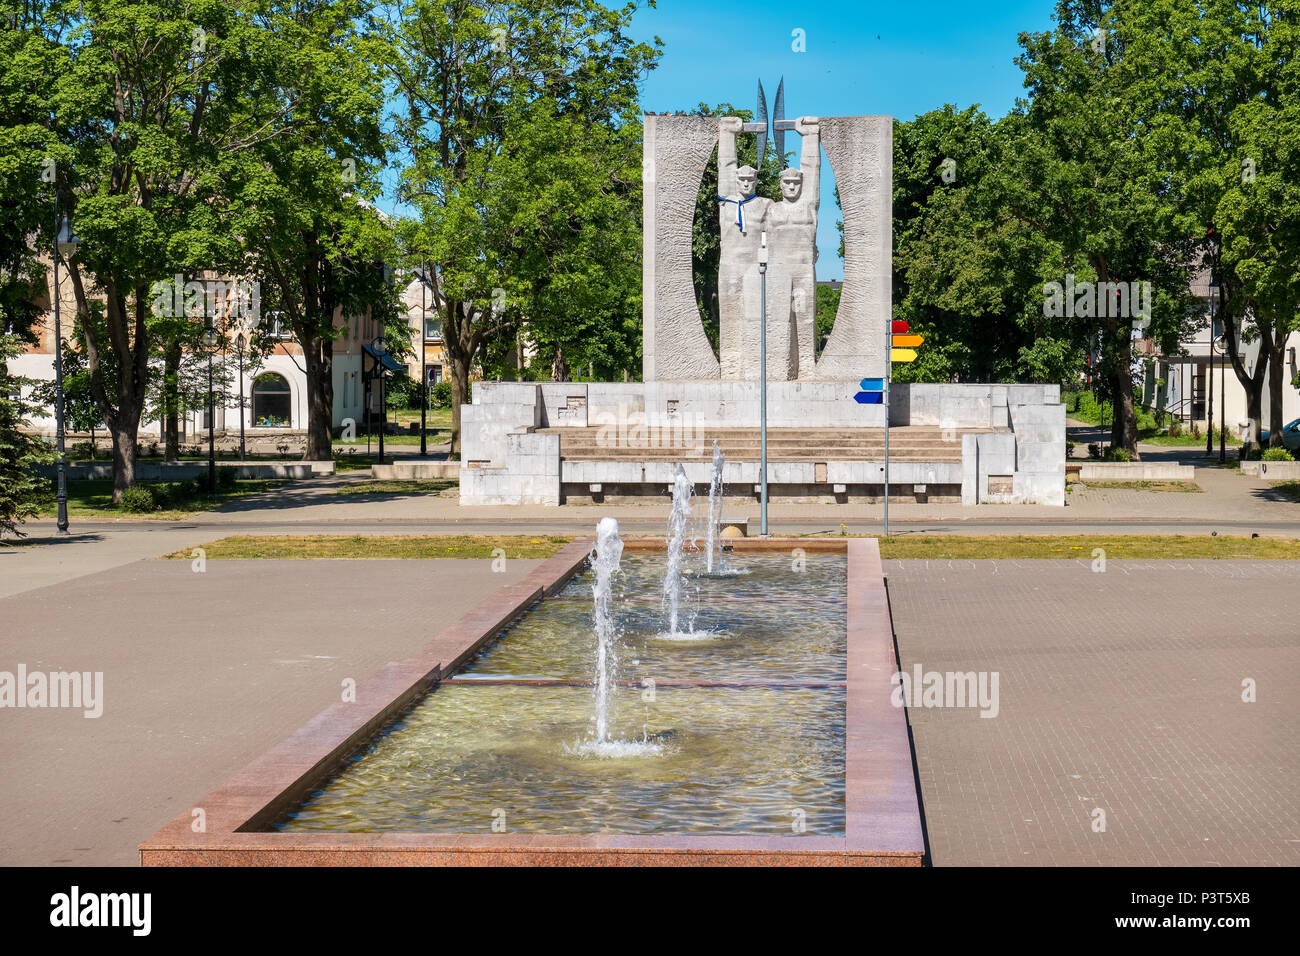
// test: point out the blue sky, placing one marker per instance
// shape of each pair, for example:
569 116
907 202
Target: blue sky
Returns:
862 58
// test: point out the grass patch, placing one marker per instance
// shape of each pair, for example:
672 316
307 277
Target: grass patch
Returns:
1048 547
1186 441
321 546
1289 488
402 439
94 499
398 487
1185 487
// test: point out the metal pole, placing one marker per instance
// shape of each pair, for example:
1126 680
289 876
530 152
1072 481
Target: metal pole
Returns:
242 453
62 464
383 413
889 342
762 295
1223 411
1209 394
424 374
212 421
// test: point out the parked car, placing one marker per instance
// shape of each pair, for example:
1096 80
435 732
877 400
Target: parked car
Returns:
1290 436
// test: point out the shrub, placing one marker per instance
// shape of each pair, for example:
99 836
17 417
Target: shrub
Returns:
1119 454
226 478
441 394
1277 454
172 494
139 500
401 391
1094 450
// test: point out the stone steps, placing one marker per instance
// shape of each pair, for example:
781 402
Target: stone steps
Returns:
909 443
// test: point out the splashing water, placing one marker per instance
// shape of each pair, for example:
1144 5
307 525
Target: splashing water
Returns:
715 505
682 489
605 561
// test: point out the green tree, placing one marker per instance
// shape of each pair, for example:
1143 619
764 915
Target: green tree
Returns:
143 104
1217 83
20 451
302 195
1085 179
966 273
25 139
484 88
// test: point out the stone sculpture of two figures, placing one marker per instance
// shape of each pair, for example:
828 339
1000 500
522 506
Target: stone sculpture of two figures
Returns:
791 229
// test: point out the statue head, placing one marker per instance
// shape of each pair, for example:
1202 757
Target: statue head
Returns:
748 178
791 184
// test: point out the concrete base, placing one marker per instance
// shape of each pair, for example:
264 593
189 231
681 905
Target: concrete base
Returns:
1134 471
1272 470
1020 460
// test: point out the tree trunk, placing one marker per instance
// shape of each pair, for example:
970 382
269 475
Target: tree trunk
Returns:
559 367
124 438
1276 370
318 356
171 400
1123 428
459 396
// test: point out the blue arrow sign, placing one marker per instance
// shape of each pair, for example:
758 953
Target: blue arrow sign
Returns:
873 384
869 398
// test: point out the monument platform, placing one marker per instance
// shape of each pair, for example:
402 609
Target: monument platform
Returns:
547 443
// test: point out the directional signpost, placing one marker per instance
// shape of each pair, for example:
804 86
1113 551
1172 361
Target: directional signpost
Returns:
875 391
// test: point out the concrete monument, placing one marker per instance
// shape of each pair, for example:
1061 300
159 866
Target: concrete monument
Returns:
531 443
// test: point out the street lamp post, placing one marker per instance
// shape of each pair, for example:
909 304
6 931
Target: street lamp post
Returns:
424 370
65 242
762 353
379 367
239 351
210 343
1223 405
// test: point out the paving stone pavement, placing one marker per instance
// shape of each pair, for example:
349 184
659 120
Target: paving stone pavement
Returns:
1119 691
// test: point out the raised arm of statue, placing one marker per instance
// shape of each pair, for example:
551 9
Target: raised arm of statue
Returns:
810 157
728 128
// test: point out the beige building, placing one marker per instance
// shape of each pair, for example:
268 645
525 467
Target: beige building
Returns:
1200 380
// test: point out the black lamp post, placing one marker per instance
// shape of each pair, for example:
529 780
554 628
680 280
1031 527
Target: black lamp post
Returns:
1223 405
378 346
210 343
65 243
424 371
239 351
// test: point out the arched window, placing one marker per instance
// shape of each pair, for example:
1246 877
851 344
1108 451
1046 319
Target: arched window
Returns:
272 401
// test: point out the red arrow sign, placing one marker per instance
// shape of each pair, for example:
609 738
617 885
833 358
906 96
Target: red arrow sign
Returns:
899 326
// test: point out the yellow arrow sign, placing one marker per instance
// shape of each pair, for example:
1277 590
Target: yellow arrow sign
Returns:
907 341
902 355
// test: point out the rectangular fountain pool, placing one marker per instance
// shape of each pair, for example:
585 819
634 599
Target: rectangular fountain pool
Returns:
762 732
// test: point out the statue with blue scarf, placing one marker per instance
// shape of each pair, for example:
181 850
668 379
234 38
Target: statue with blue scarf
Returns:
743 216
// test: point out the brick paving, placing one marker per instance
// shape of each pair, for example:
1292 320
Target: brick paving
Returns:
1118 690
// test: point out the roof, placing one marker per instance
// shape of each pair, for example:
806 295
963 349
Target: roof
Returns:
384 356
